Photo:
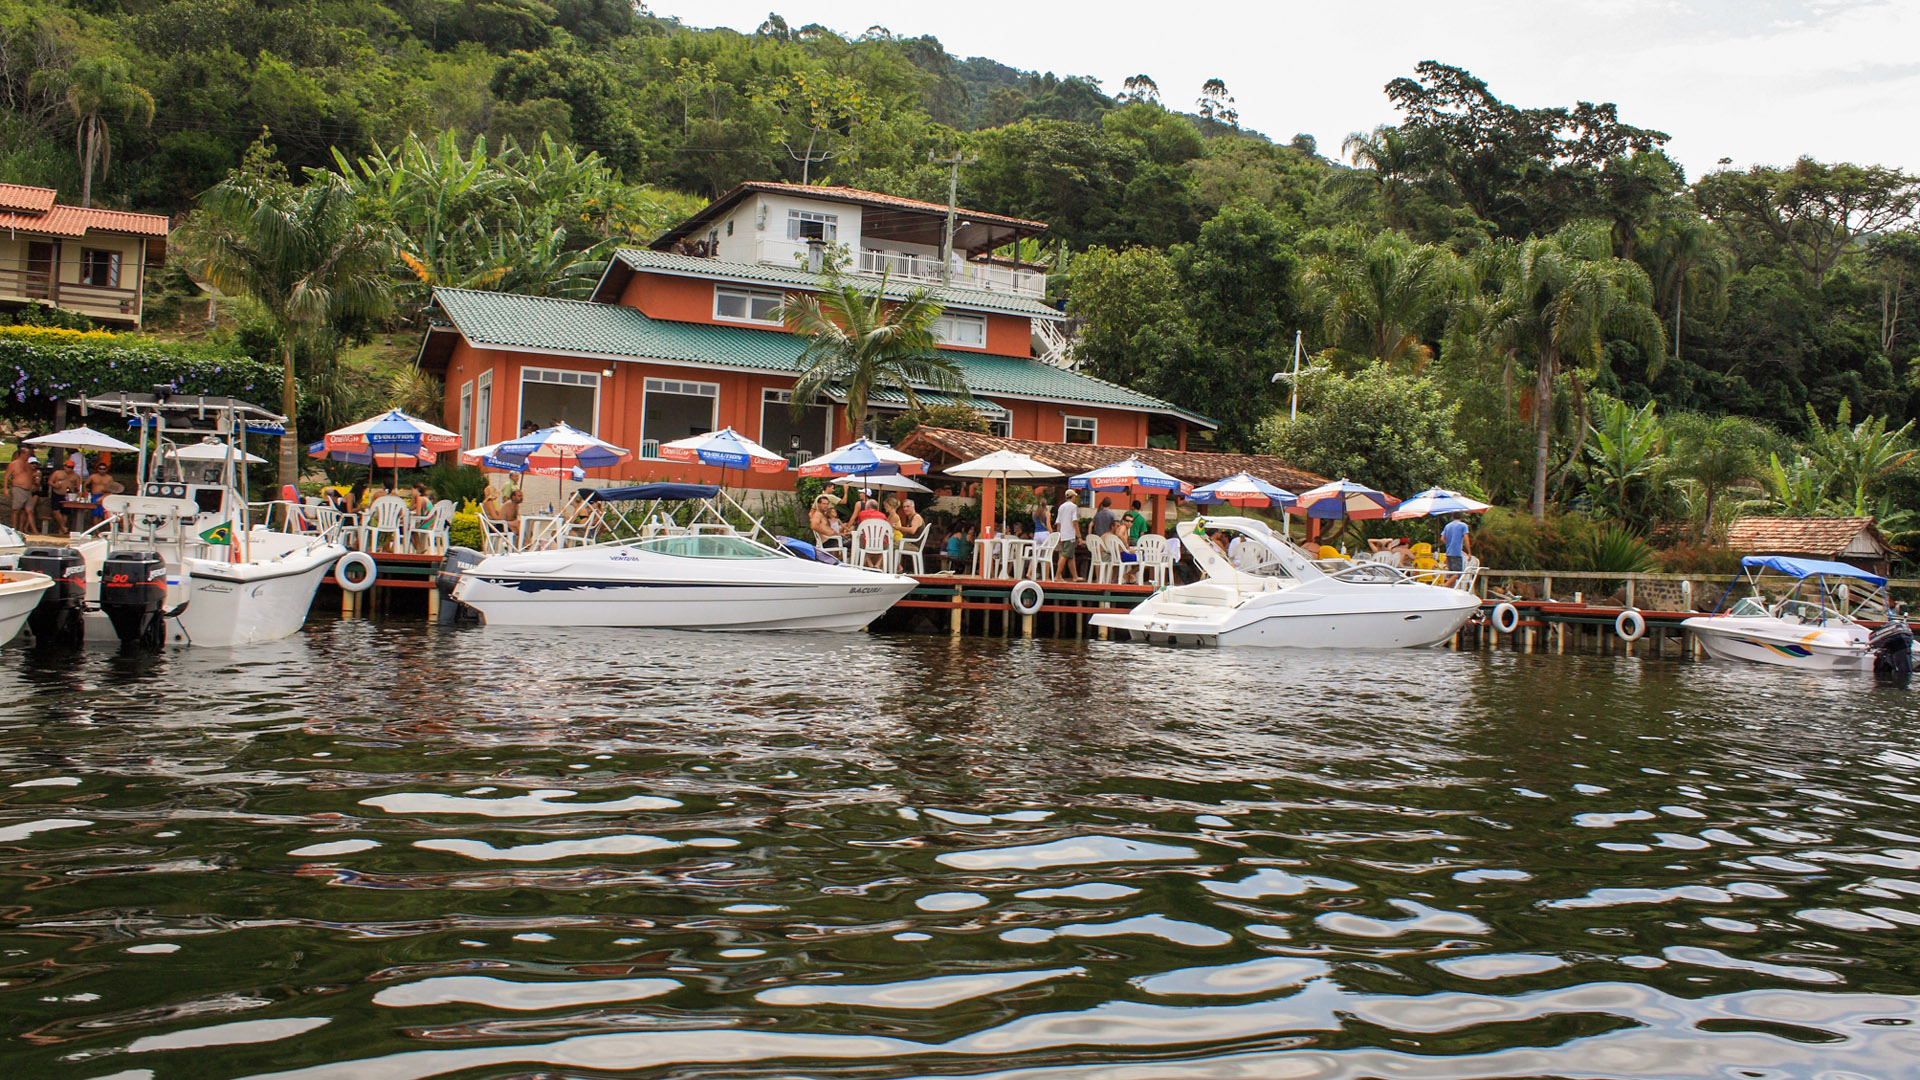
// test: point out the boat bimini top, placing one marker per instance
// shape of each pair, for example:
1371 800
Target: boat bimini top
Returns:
646 511
1829 596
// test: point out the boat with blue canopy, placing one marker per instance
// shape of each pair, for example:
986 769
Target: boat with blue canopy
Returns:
1833 616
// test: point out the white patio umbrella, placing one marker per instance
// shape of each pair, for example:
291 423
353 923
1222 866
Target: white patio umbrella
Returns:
1003 465
891 483
81 438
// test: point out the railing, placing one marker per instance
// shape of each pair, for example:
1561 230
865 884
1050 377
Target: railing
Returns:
1697 592
19 282
792 254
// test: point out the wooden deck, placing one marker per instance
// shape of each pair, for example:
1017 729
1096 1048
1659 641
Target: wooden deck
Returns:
984 606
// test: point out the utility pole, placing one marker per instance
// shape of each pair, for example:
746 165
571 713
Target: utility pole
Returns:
1293 393
807 159
953 195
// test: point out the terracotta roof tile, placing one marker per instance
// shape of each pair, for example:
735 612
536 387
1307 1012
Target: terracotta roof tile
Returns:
23 199
76 221
1193 466
1822 536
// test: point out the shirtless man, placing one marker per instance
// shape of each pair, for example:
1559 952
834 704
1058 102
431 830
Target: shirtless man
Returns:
100 483
63 484
23 483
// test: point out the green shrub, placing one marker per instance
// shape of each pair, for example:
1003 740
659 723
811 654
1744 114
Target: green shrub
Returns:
465 531
1511 540
44 364
1616 550
1714 559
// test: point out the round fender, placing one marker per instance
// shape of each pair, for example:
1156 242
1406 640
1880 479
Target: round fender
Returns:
1023 589
1506 618
1630 625
344 571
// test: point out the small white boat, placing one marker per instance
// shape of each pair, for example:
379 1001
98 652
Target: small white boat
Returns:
20 593
700 575
1815 626
1284 598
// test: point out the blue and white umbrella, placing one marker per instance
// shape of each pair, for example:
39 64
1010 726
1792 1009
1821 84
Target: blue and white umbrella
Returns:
864 457
392 438
560 446
1241 489
1131 473
1344 498
727 449
1436 501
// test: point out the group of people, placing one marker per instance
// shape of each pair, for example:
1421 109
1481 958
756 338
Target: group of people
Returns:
1127 527
901 515
56 496
362 496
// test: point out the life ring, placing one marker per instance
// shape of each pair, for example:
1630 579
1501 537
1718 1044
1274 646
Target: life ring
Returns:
1506 618
1039 596
1629 625
368 571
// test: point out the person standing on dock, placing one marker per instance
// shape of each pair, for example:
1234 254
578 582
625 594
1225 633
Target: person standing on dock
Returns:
1458 544
23 481
1066 522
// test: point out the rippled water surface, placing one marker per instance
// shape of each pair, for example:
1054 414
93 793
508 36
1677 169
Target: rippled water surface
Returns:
396 851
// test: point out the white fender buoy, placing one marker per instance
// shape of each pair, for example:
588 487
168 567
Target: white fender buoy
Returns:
1630 625
1032 586
368 571
1506 618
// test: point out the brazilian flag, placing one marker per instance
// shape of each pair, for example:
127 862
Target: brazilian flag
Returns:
218 534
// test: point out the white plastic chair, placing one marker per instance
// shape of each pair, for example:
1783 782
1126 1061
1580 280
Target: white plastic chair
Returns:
497 537
431 527
386 517
912 550
874 537
1156 558
1040 562
1103 559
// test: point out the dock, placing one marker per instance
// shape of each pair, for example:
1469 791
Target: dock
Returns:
405 571
984 607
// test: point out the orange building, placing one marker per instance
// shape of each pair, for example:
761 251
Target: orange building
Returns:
678 339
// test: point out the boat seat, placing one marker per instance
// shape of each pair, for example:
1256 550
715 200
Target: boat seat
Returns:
1205 594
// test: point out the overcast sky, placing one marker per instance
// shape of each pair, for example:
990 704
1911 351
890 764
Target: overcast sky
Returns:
1757 81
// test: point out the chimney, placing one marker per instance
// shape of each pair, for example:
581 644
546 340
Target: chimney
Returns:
816 254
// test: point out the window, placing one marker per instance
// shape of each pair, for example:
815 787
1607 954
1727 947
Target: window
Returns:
778 428
483 408
1082 429
466 415
999 422
809 225
961 330
674 409
100 268
548 397
745 305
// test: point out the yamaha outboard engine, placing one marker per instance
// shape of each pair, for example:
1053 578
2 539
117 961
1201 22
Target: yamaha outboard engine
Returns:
56 619
458 561
133 594
1892 647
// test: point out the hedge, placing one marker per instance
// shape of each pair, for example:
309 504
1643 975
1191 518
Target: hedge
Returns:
39 365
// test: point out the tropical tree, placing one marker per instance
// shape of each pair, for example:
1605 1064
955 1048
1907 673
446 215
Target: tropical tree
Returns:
1682 254
304 255
1857 456
1378 426
96 88
1716 454
1623 457
861 342
1797 487
1560 297
1380 303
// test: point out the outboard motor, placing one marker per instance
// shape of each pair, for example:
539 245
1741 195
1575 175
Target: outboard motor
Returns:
1892 647
458 561
55 621
133 594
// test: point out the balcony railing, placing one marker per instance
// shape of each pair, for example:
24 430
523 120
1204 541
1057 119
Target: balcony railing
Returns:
920 269
19 282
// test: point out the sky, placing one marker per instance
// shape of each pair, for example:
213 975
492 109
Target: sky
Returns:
1755 81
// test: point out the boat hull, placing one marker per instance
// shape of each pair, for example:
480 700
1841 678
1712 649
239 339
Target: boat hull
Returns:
1396 619
231 604
1746 640
20 593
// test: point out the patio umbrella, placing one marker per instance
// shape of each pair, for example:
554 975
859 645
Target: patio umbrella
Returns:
1122 475
81 438
879 481
864 457
1344 498
726 448
558 447
319 450
488 457
1003 465
1241 489
1436 501
210 450
392 438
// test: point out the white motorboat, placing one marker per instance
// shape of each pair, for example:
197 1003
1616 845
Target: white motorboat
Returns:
1814 626
688 571
11 545
20 593
1281 597
179 561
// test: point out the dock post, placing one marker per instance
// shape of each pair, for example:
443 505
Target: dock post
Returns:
433 604
1026 626
953 624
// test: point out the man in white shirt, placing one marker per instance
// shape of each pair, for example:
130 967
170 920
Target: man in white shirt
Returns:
1066 521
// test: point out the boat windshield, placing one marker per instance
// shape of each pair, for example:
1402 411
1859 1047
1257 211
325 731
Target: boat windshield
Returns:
707 546
1751 607
1805 612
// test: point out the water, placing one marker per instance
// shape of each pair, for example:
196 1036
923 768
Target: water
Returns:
395 851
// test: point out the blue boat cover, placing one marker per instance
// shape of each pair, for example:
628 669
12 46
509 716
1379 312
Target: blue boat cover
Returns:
807 551
1806 568
649 492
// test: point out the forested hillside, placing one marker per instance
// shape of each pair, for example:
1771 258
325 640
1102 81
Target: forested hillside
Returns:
1578 319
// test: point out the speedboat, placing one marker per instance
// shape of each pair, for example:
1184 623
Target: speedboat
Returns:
180 560
1277 595
688 570
1815 626
20 593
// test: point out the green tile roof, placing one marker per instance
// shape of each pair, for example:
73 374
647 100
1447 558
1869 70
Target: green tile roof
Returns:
979 299
545 324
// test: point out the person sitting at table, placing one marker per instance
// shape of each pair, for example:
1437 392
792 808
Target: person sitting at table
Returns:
62 484
419 501
870 511
909 523
1129 558
826 524
959 549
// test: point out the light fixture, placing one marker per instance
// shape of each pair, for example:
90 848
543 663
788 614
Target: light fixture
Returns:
606 372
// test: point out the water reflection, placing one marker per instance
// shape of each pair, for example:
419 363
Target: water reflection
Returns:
397 851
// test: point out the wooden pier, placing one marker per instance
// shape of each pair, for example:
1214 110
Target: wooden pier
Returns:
984 607
405 571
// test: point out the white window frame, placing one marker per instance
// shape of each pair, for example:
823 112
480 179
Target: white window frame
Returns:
483 408
678 388
750 295
466 415
1088 424
830 225
945 325
561 377
999 422
771 396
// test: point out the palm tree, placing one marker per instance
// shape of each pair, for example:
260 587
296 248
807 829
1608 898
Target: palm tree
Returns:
1717 453
1380 301
1386 168
1560 298
96 88
862 343
1684 253
303 254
